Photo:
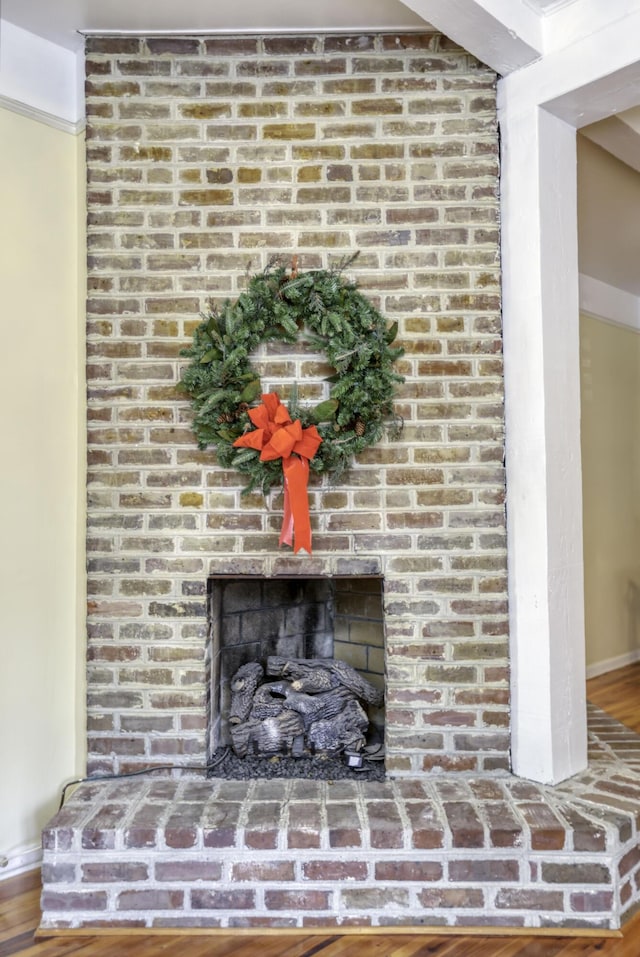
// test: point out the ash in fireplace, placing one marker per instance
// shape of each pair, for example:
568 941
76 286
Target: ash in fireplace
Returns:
228 765
311 721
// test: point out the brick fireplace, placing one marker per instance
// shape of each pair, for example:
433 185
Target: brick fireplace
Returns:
206 156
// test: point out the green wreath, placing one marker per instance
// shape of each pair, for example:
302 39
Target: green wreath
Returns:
279 304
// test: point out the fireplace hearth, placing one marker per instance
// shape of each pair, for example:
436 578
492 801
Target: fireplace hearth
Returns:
440 851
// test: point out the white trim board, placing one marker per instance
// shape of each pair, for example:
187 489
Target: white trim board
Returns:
41 116
612 664
20 861
251 31
602 301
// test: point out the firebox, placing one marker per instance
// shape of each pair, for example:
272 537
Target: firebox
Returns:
266 628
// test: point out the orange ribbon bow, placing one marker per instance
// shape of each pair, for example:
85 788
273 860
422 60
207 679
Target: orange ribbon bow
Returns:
276 436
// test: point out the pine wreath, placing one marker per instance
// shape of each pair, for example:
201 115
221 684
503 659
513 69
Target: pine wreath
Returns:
281 304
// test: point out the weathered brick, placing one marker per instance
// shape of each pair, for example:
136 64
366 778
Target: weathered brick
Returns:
368 898
114 872
230 46
342 832
58 873
577 873
336 871
206 197
535 900
273 871
70 901
484 871
377 106
414 871
376 64
298 900
458 898
111 88
586 902
263 68
289 131
209 176
322 109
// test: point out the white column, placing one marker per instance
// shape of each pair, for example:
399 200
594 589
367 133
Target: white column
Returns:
541 309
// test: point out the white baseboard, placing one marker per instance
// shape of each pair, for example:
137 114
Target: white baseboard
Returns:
611 664
19 861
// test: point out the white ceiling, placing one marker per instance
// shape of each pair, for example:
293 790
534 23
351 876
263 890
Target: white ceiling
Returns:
61 20
547 6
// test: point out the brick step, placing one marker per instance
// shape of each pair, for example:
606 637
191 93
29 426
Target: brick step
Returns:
447 850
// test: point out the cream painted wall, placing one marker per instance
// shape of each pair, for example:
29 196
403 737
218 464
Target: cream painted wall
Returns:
42 479
608 204
610 430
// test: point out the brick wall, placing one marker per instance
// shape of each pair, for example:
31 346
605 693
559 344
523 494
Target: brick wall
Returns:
205 157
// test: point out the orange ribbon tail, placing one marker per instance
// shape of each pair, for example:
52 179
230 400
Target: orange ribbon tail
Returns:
276 436
296 524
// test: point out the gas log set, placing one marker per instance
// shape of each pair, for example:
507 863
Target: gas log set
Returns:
300 707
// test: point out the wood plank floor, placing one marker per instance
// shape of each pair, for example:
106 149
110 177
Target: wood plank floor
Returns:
618 693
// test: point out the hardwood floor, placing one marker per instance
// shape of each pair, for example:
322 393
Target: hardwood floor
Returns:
618 693
20 913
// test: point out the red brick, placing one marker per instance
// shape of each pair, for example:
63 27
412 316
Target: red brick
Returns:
180 837
526 899
466 828
70 901
335 870
222 900
414 871
150 900
586 902
547 832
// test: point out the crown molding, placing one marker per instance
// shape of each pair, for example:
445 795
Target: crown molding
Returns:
609 303
41 116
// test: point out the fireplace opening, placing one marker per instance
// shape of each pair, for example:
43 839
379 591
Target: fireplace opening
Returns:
297 676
